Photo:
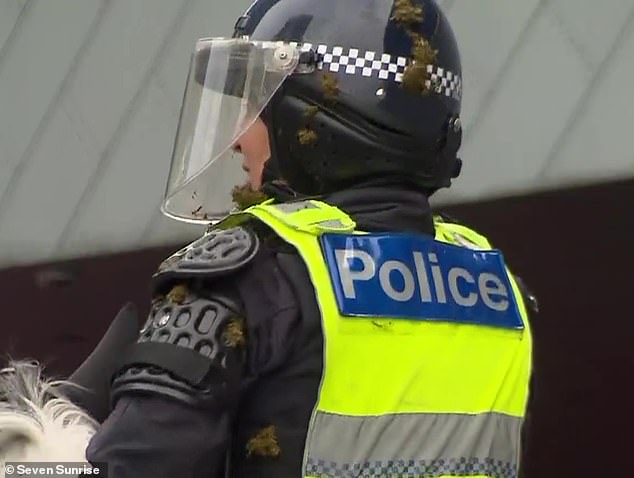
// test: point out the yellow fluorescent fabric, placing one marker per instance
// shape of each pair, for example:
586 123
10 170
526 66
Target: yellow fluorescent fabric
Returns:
448 376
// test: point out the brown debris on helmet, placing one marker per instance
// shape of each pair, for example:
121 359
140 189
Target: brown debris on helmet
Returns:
406 13
330 87
307 136
416 76
311 112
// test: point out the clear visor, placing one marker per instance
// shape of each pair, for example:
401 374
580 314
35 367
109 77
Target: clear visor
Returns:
230 82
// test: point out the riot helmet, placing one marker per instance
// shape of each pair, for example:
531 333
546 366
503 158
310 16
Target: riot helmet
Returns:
349 90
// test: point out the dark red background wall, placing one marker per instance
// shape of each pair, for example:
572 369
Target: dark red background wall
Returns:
574 248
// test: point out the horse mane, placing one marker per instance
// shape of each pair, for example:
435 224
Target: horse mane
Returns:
37 422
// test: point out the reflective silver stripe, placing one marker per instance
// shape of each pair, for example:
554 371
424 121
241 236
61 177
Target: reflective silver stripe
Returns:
428 445
291 207
332 224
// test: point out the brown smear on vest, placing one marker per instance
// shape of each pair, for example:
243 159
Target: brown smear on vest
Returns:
178 294
234 335
264 443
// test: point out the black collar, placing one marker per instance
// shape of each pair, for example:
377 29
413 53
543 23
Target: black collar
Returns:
378 206
385 208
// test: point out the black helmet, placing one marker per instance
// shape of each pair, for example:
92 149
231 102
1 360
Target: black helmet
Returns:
350 91
384 100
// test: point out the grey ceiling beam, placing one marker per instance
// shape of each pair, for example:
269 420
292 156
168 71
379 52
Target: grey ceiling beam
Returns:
22 163
21 18
584 100
495 85
107 154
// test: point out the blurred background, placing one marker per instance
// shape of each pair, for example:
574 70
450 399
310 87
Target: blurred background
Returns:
90 92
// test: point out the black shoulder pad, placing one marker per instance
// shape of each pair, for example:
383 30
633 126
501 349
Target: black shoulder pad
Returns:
217 253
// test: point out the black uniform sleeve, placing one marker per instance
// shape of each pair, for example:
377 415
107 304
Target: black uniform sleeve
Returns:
154 436
92 377
178 389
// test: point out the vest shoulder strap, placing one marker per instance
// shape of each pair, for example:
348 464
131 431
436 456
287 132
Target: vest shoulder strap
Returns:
309 216
460 235
317 217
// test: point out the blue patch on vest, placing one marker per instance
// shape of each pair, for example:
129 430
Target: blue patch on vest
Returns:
412 277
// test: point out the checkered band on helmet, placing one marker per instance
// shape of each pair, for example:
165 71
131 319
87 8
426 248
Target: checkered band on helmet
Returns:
371 64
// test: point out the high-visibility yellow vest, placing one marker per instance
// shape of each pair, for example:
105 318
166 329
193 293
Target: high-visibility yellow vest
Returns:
410 397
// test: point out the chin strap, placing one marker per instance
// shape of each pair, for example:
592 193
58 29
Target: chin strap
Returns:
280 191
273 186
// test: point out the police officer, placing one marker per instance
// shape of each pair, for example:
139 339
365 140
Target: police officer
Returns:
334 327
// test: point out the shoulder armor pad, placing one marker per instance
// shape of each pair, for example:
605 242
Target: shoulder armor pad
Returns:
193 351
217 253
